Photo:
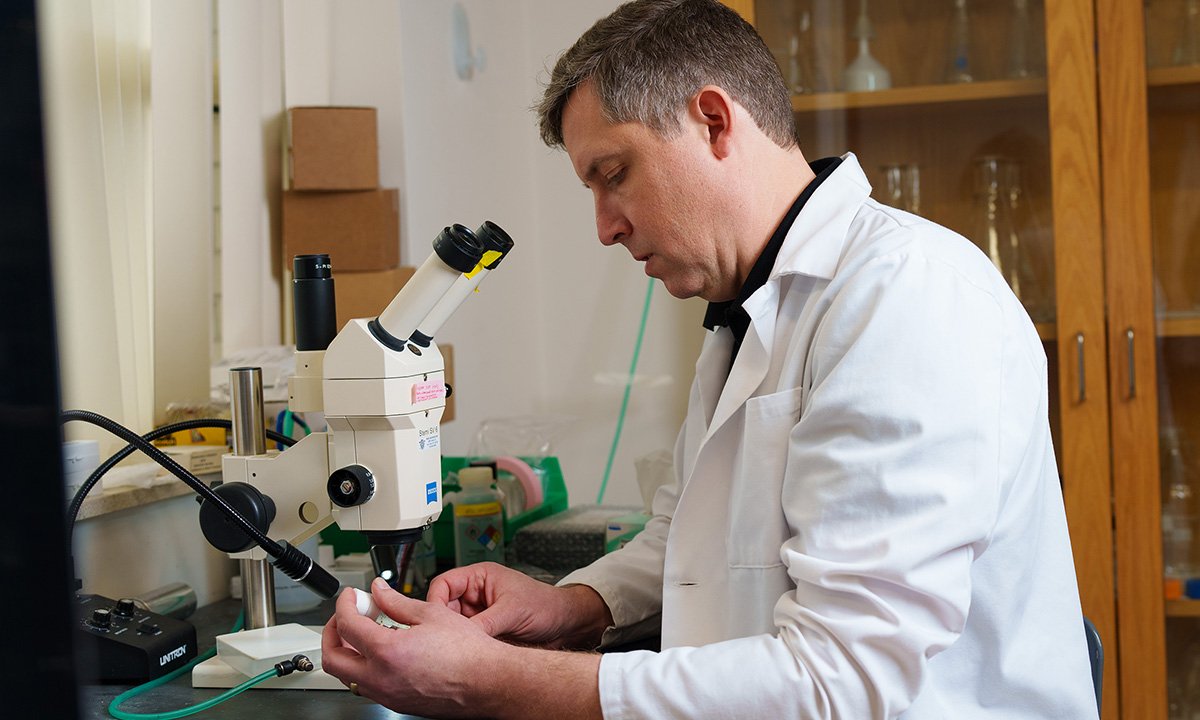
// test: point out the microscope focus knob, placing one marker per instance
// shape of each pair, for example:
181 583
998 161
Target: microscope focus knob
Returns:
350 486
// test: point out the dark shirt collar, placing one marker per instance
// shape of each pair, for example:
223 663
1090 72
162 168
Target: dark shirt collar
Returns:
729 312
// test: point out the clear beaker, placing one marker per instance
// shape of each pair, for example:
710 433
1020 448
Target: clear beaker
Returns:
902 186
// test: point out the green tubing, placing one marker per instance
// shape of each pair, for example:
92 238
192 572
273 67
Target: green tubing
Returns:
118 700
192 710
637 349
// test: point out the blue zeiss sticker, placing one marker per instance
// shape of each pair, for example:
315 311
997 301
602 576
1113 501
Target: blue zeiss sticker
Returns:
431 493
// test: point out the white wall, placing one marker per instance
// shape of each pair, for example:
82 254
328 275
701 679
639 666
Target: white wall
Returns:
553 330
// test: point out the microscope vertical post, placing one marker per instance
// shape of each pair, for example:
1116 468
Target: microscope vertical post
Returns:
249 438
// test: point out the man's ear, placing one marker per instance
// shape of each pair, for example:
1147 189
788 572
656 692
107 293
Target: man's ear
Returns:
714 109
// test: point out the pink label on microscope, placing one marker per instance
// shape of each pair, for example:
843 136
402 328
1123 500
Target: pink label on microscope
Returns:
428 390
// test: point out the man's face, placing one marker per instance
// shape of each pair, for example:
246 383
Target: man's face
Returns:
659 197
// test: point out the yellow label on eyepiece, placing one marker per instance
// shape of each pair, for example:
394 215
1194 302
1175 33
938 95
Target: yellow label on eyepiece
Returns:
489 256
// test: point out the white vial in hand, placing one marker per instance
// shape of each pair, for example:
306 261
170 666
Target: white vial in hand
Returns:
367 608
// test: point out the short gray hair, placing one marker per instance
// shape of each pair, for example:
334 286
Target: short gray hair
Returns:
649 57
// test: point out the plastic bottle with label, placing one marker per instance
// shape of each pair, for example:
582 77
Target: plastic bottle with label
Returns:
478 518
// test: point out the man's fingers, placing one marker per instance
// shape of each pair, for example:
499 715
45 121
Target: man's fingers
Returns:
361 633
339 659
397 606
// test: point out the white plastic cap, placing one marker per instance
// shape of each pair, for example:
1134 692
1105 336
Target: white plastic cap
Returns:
476 476
365 604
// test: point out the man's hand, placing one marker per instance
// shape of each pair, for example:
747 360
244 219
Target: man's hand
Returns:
515 608
411 670
446 665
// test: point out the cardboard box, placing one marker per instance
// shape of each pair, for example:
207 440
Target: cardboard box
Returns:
366 294
359 230
195 436
198 459
331 148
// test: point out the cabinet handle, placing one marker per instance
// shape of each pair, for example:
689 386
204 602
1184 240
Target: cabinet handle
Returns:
1082 371
1132 366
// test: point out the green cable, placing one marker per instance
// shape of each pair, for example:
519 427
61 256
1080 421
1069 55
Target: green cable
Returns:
637 349
120 699
192 710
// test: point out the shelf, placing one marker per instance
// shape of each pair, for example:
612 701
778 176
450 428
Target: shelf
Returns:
1179 325
1183 608
111 501
1165 76
1174 325
920 95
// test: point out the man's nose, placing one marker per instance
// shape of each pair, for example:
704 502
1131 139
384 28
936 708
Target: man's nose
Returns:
611 225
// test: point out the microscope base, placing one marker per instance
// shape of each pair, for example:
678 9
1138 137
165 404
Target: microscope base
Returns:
243 655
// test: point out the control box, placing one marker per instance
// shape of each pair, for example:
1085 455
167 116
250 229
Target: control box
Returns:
131 644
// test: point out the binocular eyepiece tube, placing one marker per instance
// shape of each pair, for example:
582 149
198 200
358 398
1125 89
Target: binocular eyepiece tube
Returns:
459 261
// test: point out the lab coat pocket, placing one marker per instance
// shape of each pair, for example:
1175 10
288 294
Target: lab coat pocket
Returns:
757 526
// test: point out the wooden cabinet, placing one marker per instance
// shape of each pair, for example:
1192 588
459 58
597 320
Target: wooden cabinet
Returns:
1095 108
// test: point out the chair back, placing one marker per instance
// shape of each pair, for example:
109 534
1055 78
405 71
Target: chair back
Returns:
1095 656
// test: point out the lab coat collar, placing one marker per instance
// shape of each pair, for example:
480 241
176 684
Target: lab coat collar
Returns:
813 246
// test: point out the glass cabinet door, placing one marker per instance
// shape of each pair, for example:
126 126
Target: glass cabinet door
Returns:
981 115
1173 111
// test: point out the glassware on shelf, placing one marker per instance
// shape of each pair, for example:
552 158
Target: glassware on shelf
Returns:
959 65
865 73
994 231
1183 686
997 231
800 77
1029 274
902 186
1178 513
1020 42
1187 50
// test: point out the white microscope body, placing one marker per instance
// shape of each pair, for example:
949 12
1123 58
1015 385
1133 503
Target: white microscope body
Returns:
377 469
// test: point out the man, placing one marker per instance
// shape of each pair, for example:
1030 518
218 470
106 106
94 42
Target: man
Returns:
866 520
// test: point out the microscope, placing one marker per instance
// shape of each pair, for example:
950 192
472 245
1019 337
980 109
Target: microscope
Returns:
377 468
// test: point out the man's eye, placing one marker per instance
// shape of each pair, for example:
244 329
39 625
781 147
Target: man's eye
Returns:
616 178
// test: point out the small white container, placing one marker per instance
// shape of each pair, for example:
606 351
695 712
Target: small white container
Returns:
80 459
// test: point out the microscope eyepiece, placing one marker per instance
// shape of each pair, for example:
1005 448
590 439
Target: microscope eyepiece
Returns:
495 241
312 267
458 247
313 301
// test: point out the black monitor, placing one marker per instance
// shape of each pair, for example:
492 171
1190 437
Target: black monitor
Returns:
36 654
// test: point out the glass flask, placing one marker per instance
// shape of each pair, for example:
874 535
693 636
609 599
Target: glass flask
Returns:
865 73
800 77
959 65
1178 512
993 230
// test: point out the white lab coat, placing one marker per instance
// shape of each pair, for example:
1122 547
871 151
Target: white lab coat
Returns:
866 520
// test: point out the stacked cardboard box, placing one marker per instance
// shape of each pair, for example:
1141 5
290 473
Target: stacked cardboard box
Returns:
332 203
